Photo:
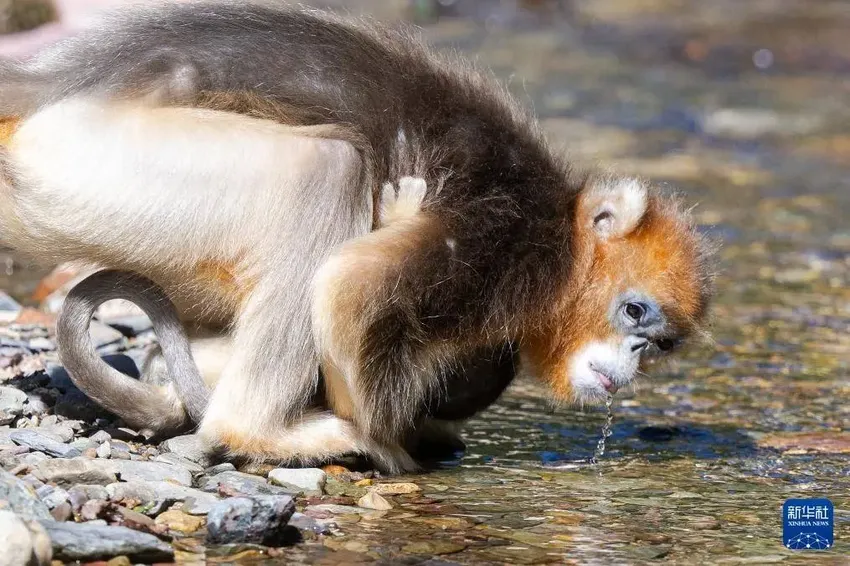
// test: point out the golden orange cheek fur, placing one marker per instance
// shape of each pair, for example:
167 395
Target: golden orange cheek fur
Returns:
660 257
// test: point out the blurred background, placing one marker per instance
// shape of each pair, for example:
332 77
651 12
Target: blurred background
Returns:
744 106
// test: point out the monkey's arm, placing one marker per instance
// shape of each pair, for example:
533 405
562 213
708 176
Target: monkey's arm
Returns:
156 409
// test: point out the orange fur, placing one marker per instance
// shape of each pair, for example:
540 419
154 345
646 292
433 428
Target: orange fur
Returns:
660 257
8 127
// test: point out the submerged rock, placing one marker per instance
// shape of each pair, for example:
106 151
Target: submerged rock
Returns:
259 520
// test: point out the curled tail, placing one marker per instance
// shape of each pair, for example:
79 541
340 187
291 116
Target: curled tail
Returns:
157 409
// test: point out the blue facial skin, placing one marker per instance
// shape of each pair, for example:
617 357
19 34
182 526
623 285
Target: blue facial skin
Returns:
636 313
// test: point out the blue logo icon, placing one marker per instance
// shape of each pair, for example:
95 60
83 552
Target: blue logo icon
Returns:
808 524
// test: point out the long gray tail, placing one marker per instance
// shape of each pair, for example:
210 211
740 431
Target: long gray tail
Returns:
141 405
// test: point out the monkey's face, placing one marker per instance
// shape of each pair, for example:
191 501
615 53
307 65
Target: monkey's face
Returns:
640 288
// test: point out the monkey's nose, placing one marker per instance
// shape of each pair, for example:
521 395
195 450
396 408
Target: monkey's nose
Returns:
640 345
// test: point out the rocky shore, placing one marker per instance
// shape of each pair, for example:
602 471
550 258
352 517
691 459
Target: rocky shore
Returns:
77 485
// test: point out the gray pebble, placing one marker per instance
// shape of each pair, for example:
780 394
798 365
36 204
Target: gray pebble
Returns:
11 404
259 520
21 498
89 541
43 441
244 483
61 431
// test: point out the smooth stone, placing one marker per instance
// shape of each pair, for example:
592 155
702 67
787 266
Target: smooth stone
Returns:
82 470
259 520
23 543
335 509
245 484
11 404
189 446
20 498
372 500
308 479
149 492
103 335
42 441
88 542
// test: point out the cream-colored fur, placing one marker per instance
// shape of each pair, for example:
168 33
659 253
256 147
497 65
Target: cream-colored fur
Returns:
262 187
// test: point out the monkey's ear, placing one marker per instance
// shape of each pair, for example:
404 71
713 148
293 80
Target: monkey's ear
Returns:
613 207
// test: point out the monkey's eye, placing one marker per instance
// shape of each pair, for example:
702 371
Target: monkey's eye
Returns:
665 344
635 311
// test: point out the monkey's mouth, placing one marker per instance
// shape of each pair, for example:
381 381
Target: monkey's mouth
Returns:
605 381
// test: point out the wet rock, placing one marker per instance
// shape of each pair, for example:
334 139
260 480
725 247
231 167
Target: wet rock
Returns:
23 543
87 542
395 488
304 522
311 480
11 404
334 509
241 483
374 501
824 442
148 492
21 498
176 520
259 520
433 547
190 446
42 441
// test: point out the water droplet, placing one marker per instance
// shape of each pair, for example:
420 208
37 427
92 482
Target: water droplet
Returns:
606 430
